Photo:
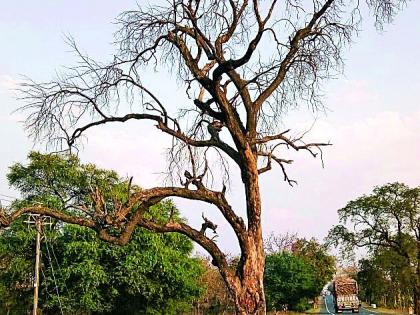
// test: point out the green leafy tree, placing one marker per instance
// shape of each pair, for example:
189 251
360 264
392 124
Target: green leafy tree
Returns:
311 251
372 282
16 268
289 280
386 220
153 274
386 279
316 255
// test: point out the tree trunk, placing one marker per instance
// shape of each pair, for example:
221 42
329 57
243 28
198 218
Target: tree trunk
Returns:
250 300
249 295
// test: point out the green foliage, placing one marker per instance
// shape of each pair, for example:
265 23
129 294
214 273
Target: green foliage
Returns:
296 271
152 274
61 182
317 257
289 280
386 279
387 218
16 268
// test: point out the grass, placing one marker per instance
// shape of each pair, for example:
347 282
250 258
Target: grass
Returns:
310 311
384 310
313 310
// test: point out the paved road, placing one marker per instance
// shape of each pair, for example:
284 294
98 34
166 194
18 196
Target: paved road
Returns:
327 307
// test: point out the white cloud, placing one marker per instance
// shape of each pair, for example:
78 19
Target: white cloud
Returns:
373 151
382 147
132 149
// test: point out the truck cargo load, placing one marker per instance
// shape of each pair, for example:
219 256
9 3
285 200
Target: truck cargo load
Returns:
345 292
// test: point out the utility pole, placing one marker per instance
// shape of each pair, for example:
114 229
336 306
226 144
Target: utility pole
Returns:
38 226
39 222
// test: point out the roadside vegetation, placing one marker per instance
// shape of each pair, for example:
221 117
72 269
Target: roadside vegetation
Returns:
158 274
296 271
152 274
387 224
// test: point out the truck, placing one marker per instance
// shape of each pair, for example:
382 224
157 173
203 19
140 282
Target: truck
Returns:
344 291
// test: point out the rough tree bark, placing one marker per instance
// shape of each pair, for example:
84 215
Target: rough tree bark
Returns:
218 50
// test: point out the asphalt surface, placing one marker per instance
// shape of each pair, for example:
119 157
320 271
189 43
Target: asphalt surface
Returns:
327 307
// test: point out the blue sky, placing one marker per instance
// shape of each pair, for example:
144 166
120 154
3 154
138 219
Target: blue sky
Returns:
373 116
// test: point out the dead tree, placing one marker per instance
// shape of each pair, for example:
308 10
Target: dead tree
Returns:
246 62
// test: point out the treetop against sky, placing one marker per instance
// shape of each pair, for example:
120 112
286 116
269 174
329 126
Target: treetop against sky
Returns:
372 116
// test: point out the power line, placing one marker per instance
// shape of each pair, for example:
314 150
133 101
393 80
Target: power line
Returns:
56 261
44 276
53 274
48 295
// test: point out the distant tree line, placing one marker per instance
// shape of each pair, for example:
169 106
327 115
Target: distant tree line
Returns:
386 279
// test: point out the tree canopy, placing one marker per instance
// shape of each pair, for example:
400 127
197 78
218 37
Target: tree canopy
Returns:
386 279
289 280
296 271
316 255
153 274
387 222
